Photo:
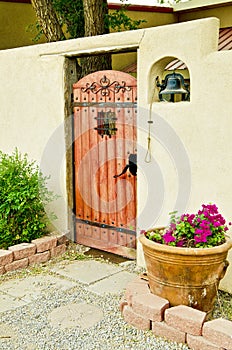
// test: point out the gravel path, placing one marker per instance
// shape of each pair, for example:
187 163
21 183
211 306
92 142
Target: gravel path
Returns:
30 328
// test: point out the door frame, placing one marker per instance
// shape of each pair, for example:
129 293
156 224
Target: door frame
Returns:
70 77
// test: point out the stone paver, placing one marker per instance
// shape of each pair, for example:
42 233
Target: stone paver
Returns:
87 272
75 315
99 277
6 332
113 284
8 302
29 288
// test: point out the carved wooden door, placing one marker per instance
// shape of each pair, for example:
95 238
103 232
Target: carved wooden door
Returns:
105 145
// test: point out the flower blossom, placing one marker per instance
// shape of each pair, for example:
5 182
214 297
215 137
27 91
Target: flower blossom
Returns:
168 237
206 228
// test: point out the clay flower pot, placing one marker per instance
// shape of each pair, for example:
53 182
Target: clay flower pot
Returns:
185 276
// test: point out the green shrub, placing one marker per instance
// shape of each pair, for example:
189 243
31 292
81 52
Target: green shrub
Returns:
23 194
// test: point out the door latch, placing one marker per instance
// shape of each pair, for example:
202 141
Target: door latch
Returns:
132 166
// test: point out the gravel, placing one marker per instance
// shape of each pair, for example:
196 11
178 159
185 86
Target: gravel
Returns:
28 327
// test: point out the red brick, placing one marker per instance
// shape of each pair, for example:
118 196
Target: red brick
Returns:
197 342
150 306
185 318
161 329
219 332
39 258
61 237
135 320
17 264
123 303
22 250
136 287
44 243
6 257
2 270
60 249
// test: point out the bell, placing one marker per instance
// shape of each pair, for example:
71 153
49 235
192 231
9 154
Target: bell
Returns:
174 84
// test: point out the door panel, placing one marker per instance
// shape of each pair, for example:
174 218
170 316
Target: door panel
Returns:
105 136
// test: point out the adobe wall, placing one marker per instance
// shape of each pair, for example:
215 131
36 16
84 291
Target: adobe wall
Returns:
33 106
223 13
196 9
191 141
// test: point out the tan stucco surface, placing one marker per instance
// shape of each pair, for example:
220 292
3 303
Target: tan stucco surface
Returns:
203 125
191 141
222 13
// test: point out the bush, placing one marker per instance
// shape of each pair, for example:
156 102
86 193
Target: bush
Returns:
23 194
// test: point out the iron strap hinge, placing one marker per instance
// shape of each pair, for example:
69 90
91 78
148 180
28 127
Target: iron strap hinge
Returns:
105 104
101 225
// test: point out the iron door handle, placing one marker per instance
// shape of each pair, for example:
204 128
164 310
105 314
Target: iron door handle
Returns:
132 166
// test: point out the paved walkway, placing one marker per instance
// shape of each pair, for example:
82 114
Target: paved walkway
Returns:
70 305
93 275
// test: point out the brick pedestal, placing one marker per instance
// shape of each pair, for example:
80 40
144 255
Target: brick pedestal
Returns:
181 323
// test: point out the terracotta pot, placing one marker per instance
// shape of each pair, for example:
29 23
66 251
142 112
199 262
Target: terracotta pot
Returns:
185 276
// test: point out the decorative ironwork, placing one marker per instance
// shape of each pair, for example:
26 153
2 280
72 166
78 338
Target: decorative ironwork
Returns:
106 123
101 104
98 224
105 87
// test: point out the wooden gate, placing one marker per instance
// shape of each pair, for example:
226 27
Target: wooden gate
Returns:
105 145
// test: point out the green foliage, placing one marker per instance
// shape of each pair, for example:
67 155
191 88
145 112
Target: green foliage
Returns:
205 229
23 194
71 14
155 235
223 306
119 20
35 30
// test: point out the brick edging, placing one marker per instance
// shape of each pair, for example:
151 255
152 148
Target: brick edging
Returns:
181 323
38 251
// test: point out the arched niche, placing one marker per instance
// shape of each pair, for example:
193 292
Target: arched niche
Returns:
159 71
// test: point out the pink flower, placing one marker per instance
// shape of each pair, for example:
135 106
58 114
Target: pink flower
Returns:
198 231
168 237
204 229
204 224
216 224
180 243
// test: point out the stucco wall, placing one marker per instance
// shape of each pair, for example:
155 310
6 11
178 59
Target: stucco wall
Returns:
32 103
191 141
222 13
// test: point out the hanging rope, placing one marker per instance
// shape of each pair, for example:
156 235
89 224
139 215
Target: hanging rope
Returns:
150 122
